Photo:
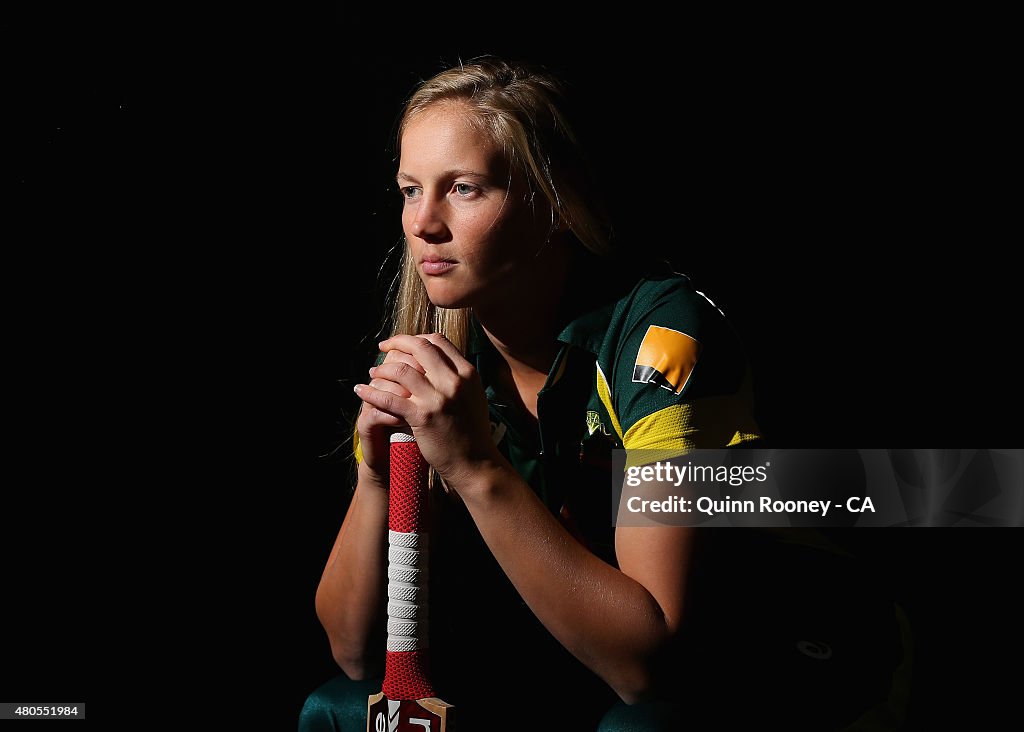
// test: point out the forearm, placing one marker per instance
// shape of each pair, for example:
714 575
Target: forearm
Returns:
608 620
352 591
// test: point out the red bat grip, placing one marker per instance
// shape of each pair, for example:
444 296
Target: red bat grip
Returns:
406 671
407 499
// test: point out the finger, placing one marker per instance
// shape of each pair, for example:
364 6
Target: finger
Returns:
392 386
459 362
402 357
405 376
371 417
426 353
385 401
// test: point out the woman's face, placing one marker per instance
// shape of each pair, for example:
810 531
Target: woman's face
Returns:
469 226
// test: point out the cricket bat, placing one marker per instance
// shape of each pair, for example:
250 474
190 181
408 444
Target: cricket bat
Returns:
406 702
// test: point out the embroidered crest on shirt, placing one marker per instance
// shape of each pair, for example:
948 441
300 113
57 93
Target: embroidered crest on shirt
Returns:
666 358
594 423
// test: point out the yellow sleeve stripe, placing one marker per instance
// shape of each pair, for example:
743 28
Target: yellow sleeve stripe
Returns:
605 395
706 423
663 435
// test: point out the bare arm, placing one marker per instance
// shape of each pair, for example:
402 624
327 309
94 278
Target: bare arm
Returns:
615 621
352 590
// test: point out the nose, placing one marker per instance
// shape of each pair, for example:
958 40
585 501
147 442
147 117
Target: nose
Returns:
428 222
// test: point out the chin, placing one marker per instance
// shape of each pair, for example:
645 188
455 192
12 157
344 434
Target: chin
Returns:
448 298
450 304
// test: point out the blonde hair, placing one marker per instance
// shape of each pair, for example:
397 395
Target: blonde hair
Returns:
522 109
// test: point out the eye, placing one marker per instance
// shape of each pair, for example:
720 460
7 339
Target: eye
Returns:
465 189
410 192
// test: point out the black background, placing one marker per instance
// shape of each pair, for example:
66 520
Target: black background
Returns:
839 199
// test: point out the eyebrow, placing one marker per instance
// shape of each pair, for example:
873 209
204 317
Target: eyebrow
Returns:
458 173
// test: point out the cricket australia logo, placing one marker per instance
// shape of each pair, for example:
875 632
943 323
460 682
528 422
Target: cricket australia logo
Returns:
594 423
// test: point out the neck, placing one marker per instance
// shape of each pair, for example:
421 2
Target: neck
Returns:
523 351
524 328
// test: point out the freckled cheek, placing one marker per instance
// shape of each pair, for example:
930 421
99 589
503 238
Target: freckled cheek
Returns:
473 223
469 232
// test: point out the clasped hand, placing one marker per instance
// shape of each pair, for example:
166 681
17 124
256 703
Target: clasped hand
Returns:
427 386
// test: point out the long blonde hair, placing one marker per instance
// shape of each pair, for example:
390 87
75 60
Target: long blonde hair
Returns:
522 109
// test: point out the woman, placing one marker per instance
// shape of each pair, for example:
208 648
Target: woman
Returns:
523 350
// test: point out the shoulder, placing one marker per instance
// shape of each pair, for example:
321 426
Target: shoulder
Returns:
671 371
670 296
651 328
662 327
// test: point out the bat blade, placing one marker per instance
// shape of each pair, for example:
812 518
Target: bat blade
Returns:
431 714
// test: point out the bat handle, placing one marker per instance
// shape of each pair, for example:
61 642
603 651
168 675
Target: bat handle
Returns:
407 662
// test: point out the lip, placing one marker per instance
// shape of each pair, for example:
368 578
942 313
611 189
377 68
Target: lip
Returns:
436 266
